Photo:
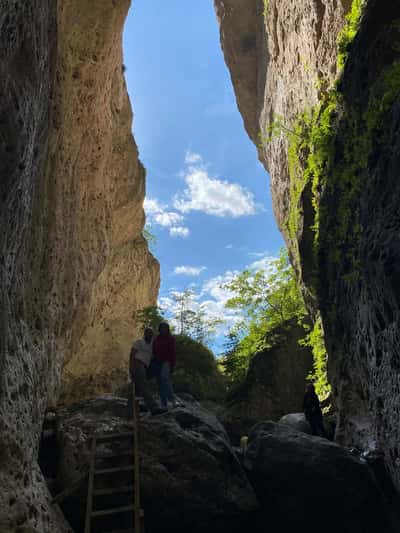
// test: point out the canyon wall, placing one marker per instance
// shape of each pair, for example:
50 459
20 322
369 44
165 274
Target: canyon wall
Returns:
329 138
74 265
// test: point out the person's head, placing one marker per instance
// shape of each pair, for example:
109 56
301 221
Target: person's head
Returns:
148 334
163 328
310 387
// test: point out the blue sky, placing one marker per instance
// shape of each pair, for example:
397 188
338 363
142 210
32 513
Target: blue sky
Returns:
208 198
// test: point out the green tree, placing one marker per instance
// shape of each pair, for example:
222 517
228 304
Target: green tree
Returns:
191 318
150 316
265 299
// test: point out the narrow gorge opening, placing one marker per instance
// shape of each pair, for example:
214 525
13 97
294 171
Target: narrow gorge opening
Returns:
206 193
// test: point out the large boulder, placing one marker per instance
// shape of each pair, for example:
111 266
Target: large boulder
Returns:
274 384
303 480
296 421
190 476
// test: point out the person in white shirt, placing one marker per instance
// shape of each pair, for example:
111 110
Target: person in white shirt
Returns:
139 361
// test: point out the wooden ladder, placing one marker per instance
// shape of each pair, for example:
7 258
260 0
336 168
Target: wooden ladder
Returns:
113 496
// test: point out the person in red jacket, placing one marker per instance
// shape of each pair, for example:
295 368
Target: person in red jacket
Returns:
165 357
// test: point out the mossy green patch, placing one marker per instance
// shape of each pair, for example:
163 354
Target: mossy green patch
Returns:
349 31
265 12
315 340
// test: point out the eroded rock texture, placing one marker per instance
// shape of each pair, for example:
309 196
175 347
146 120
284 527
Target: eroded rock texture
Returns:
190 476
73 262
354 280
364 286
281 54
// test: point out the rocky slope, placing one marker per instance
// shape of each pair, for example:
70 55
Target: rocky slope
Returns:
190 475
73 262
336 196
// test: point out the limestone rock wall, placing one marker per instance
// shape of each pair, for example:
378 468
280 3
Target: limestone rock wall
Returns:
280 54
363 334
73 263
354 280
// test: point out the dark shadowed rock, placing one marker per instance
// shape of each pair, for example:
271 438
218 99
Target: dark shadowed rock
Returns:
274 383
190 476
296 421
303 480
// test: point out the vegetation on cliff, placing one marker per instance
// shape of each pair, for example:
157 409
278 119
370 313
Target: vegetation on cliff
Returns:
329 150
197 372
267 300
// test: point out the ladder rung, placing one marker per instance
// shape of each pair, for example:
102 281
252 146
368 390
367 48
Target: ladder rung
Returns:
116 510
113 455
113 490
114 469
107 436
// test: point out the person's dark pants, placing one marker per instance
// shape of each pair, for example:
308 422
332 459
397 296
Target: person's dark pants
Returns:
165 384
139 378
317 426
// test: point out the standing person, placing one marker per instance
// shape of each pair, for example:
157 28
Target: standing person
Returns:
312 411
139 360
165 358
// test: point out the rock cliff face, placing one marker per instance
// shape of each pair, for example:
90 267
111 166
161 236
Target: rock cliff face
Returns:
73 265
337 203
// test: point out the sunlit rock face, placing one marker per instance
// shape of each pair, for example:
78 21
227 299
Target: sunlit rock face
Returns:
74 265
288 68
280 53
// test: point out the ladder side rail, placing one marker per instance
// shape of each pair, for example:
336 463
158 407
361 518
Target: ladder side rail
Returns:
89 501
136 462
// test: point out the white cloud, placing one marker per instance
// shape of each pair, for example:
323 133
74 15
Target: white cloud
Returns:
189 271
167 219
229 246
211 299
179 231
192 158
266 263
151 206
257 254
215 295
160 215
213 196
